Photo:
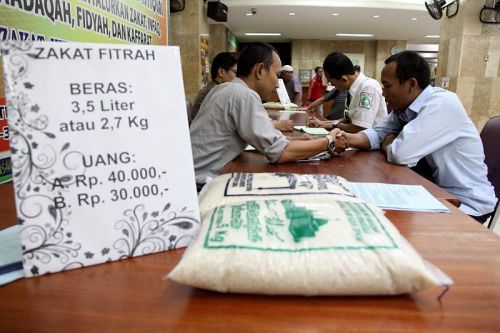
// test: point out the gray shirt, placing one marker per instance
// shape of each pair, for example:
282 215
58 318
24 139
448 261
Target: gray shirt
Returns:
293 86
230 117
338 107
201 96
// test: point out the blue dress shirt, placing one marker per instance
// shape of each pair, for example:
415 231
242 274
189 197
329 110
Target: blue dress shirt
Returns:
436 127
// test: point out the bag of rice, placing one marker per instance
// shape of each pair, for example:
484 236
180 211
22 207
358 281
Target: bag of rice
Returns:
326 244
242 186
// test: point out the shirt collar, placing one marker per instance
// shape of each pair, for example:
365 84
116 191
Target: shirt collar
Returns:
356 85
416 105
240 82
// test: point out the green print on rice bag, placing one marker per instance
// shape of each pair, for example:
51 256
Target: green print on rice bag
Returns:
302 221
285 226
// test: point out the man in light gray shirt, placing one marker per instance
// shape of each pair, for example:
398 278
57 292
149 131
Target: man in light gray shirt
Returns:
430 125
232 116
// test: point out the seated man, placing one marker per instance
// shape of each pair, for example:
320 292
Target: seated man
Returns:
223 69
364 105
430 125
232 116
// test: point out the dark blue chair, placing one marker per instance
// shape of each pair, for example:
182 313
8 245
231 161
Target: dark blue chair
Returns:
490 136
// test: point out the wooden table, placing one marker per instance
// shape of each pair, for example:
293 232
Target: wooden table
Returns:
130 295
355 166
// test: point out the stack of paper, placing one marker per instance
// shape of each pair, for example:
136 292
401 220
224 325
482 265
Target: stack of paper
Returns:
398 197
279 106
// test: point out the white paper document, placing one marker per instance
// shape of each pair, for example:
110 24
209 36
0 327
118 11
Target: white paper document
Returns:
312 130
282 93
280 106
397 197
11 257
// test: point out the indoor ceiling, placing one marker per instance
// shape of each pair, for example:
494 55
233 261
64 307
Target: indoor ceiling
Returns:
397 19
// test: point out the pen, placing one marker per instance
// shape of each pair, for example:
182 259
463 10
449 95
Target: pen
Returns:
300 129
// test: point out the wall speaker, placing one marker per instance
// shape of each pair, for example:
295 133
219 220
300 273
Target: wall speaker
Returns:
490 14
176 6
217 11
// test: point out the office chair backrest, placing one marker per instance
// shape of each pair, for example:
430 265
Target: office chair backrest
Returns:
490 135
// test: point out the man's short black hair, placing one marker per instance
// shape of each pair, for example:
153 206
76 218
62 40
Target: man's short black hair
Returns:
316 69
337 64
411 65
357 68
224 60
253 54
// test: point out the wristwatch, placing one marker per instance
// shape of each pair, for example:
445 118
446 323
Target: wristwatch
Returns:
331 144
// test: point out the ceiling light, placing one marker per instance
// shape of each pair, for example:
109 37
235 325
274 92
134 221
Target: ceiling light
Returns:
335 14
262 33
432 36
248 14
354 35
376 16
413 18
291 14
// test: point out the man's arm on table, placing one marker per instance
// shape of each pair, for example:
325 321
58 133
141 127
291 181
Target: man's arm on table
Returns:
379 137
301 137
331 124
357 140
311 107
350 128
361 141
284 125
301 149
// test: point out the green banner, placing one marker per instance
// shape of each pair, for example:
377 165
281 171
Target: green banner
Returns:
101 21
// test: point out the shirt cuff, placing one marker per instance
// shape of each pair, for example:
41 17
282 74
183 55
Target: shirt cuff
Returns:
389 154
373 137
395 159
273 152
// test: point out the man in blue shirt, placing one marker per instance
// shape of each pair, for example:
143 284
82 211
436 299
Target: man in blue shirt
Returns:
430 125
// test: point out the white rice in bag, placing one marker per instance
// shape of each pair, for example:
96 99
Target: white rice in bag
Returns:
302 245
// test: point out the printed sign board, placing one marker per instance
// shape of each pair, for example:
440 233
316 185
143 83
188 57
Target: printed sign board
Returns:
101 155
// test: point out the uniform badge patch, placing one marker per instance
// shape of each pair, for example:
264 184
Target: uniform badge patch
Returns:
365 100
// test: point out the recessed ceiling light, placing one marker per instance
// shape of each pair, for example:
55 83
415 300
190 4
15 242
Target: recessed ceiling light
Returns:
354 35
335 14
291 14
262 33
432 36
376 16
413 18
249 14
